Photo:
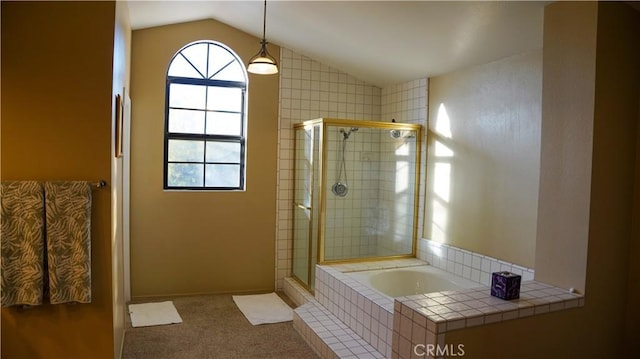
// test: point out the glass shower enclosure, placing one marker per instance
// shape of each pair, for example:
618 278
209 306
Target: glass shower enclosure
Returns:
355 192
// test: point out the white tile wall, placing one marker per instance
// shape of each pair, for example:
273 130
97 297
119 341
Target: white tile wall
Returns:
329 337
467 264
364 310
407 103
349 220
378 208
296 292
308 90
367 312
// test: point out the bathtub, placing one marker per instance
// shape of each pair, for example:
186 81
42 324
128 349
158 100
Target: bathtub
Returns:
401 282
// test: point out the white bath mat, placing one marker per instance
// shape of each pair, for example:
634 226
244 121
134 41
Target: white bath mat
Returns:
148 314
263 308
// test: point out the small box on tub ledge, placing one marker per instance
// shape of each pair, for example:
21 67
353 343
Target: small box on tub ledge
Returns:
505 285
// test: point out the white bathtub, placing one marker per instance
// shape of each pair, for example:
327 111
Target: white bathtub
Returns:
401 282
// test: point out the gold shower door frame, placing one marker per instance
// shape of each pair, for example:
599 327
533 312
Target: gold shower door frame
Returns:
320 226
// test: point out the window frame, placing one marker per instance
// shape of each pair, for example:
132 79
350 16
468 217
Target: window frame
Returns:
204 137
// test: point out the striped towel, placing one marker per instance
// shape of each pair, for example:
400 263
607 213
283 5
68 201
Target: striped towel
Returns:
68 227
22 233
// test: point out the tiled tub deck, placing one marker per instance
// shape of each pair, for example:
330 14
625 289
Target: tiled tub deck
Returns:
347 319
426 318
342 304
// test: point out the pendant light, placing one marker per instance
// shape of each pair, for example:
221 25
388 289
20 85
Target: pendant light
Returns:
263 63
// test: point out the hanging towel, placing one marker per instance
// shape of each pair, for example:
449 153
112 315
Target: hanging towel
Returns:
22 233
68 228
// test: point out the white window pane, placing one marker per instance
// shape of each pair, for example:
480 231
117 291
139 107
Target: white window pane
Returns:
224 99
187 96
197 55
181 68
186 151
218 58
224 123
186 121
223 176
228 152
185 175
233 72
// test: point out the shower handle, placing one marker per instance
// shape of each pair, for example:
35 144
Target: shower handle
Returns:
302 206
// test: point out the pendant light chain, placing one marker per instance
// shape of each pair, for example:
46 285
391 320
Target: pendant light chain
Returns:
264 22
263 63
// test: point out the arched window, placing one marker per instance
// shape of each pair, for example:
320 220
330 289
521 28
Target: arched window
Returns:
205 126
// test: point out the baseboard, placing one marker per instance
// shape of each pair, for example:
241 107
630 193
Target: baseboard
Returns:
155 297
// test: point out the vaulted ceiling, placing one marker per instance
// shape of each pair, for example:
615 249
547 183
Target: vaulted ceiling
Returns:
380 42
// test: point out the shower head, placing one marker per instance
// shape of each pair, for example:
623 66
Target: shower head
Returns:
346 134
396 134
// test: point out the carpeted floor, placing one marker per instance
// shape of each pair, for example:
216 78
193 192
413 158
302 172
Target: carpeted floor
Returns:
213 327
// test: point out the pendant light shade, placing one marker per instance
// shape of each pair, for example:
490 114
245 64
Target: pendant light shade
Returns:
263 63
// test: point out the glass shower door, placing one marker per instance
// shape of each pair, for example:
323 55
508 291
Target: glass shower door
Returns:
374 214
302 210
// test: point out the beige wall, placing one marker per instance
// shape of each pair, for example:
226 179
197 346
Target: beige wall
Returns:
56 125
483 158
567 140
597 88
121 60
199 242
